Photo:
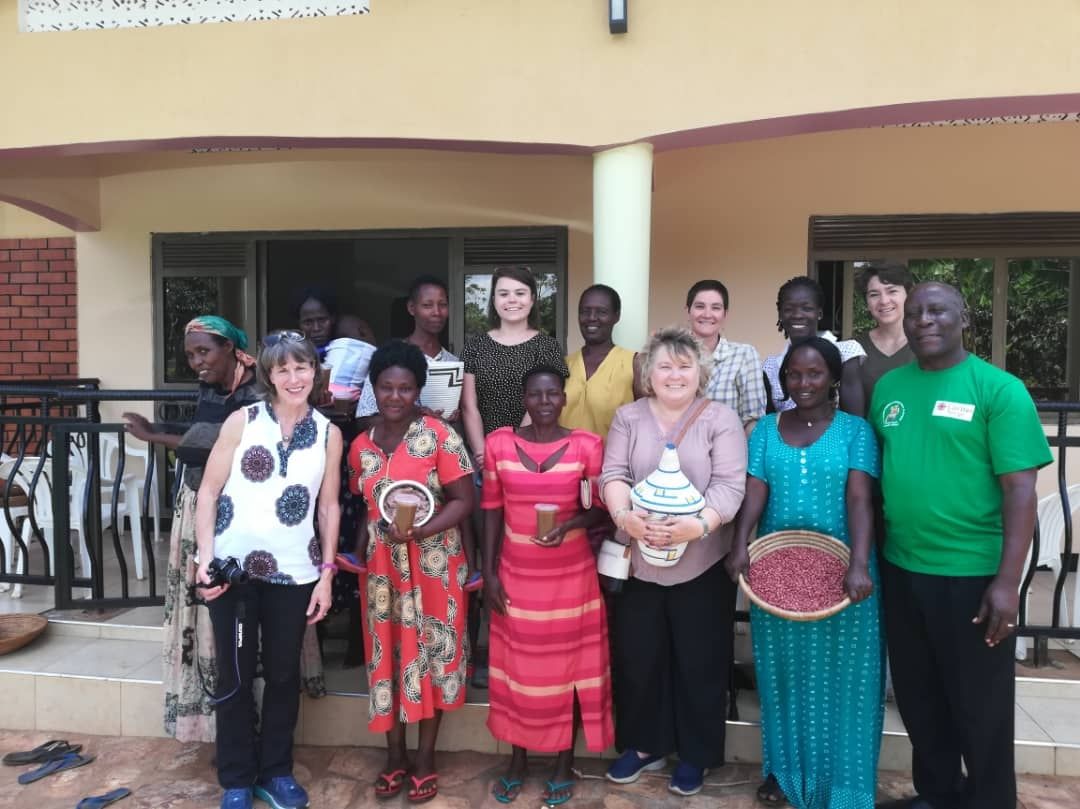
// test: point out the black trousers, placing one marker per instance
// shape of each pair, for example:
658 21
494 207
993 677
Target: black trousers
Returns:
956 695
276 613
673 650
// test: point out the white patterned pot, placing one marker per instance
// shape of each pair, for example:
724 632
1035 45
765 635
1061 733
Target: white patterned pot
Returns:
666 492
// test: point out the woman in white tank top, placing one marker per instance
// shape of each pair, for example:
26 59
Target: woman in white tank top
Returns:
274 465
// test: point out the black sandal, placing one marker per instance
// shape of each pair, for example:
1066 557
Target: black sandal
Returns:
57 748
770 793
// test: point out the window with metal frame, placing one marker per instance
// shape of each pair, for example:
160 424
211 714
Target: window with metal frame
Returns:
1017 272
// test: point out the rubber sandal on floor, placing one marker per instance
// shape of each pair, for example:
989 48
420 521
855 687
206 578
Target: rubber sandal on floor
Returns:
389 784
57 748
100 801
420 795
67 762
555 788
507 790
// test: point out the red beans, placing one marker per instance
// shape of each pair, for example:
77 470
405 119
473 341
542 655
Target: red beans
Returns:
798 579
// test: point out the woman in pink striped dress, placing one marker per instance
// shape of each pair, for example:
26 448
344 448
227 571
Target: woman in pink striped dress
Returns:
549 644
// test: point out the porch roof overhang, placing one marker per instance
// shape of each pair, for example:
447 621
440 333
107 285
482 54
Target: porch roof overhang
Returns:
60 181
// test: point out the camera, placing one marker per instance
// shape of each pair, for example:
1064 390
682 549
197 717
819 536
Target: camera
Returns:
225 571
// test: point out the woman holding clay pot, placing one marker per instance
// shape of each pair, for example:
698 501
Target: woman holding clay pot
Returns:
415 637
674 626
549 642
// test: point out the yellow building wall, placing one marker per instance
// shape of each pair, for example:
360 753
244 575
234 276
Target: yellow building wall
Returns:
345 191
15 223
741 212
525 71
737 212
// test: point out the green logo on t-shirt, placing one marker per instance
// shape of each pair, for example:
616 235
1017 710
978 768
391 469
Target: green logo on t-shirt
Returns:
892 414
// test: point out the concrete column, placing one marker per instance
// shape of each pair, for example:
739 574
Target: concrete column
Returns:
622 226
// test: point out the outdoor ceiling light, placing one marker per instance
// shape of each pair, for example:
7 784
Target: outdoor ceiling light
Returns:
617 16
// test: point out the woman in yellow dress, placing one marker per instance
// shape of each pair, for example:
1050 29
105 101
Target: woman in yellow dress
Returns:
603 376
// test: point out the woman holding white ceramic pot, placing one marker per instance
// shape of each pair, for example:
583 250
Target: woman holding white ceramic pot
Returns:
674 625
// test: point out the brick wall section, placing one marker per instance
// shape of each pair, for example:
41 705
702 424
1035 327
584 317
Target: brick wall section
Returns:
37 308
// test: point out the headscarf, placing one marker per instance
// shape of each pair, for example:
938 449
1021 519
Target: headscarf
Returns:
212 324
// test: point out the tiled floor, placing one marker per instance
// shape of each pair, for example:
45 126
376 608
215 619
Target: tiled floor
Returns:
164 774
1045 712
125 645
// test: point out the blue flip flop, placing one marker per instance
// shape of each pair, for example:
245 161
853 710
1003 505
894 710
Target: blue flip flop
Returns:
564 790
68 762
507 790
99 801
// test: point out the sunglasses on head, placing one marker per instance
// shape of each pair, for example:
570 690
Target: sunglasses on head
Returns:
284 335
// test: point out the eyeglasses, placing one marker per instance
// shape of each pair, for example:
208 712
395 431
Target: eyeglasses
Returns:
286 335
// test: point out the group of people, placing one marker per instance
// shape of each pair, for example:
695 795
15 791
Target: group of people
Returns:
916 454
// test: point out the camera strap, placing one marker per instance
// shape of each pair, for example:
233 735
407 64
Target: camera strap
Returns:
238 637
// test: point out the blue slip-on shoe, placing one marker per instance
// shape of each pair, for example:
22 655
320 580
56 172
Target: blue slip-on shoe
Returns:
687 780
282 792
628 767
237 798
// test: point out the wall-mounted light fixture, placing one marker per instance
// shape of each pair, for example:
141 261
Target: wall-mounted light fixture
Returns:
617 16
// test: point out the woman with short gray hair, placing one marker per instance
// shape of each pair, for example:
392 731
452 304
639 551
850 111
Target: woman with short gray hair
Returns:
674 624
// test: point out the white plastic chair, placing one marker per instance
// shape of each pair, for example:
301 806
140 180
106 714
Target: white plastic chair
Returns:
41 502
7 539
143 454
1051 545
129 504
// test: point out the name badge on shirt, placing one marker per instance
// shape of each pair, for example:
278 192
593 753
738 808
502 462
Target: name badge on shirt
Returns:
954 410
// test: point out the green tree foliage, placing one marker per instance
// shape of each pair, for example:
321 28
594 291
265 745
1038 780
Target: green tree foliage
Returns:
478 290
1037 310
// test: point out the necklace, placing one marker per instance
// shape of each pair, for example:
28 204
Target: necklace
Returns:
810 421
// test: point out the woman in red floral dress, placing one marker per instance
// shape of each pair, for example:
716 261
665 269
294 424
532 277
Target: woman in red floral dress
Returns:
415 636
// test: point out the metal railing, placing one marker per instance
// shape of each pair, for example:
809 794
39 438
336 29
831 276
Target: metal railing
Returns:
1060 442
54 437
38 397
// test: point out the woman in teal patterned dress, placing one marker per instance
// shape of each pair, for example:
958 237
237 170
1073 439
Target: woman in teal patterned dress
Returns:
821 683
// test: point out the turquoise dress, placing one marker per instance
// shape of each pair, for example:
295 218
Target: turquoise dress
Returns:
821 683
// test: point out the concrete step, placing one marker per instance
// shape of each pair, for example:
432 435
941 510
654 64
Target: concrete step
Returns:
105 678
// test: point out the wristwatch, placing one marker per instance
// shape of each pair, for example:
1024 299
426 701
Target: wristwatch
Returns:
704 526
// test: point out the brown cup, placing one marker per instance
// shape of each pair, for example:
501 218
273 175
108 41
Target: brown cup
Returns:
545 518
322 385
405 506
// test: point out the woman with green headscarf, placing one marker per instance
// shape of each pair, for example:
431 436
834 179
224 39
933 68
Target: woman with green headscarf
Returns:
214 348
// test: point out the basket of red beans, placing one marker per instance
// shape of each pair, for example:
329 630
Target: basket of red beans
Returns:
798 575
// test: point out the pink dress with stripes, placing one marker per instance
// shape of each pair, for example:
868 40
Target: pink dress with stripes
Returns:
553 641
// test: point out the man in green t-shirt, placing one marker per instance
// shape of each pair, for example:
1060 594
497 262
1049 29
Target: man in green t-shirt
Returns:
961 445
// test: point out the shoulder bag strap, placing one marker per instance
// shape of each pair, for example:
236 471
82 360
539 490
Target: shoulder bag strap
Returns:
690 421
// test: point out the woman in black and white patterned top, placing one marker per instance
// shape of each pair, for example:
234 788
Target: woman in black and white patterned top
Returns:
274 465
496 362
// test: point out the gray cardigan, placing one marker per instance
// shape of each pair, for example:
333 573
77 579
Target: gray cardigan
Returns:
713 457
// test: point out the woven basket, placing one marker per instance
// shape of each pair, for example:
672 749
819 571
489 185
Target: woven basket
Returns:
18 630
796 539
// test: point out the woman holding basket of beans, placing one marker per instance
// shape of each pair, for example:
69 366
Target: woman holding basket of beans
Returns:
821 683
